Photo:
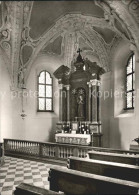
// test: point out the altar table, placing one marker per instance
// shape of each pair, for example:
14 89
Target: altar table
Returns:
81 139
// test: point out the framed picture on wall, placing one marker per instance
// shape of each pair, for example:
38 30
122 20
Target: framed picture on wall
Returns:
74 126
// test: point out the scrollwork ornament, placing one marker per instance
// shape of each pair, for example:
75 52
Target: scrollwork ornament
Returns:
6 46
134 9
125 2
27 12
4 33
134 6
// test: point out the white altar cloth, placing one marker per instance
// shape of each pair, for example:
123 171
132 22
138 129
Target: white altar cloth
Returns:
81 139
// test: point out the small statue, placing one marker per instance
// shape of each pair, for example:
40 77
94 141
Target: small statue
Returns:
80 102
136 140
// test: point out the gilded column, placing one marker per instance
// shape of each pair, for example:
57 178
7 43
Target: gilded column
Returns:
68 102
60 102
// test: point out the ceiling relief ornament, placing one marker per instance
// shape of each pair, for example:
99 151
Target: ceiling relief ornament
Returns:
128 13
14 14
5 30
5 41
17 25
71 23
27 12
111 17
26 41
134 9
99 47
22 22
71 44
10 32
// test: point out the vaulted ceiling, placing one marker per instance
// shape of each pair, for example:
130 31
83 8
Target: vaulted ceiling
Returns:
45 14
29 29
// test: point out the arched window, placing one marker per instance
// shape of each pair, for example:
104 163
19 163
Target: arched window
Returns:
130 82
45 92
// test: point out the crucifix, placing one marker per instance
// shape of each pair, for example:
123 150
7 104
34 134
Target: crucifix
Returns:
79 51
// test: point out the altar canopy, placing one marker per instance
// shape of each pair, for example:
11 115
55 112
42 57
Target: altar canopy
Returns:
79 99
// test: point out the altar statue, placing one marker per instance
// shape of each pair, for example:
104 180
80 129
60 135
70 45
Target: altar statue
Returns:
81 104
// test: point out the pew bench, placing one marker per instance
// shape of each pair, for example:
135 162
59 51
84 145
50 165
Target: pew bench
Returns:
113 157
27 189
110 169
73 182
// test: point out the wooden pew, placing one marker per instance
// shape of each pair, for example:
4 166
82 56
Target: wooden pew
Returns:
113 157
1 154
27 189
110 169
73 182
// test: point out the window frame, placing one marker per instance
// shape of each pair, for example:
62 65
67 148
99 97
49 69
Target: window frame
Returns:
133 77
45 84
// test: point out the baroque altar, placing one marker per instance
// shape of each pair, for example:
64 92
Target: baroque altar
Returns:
79 102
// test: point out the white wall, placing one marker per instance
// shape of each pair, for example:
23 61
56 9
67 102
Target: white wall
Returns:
5 101
119 126
37 126
105 107
41 126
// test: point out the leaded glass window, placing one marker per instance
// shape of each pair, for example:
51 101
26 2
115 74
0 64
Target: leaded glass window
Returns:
130 82
45 92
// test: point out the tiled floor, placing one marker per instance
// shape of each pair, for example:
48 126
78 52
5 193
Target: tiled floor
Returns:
16 170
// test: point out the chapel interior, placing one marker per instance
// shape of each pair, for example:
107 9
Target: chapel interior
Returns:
69 80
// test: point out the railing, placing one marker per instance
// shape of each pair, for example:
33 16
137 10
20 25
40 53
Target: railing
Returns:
44 149
119 151
48 150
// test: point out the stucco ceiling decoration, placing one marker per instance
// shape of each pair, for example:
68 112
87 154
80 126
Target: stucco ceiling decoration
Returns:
128 12
133 7
70 45
48 12
17 19
98 46
72 23
5 32
112 17
10 35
